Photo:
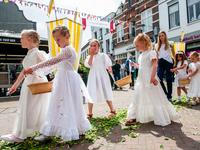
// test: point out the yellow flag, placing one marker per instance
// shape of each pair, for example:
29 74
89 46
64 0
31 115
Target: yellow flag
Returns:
5 1
51 2
182 35
76 31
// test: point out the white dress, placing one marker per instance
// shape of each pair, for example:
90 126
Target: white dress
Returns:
66 115
149 101
32 109
194 87
98 85
182 74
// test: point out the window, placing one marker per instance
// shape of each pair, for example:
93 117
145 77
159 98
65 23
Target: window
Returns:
120 33
107 46
174 19
107 30
129 3
193 10
101 34
101 47
131 31
146 18
95 35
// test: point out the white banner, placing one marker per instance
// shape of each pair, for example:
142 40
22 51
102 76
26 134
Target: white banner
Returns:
101 24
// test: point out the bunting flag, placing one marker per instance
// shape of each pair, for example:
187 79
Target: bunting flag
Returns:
182 35
111 27
5 1
75 40
51 2
84 23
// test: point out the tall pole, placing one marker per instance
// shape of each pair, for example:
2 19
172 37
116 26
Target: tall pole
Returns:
55 9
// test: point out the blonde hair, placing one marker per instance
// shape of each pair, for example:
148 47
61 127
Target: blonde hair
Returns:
159 41
142 37
63 30
95 40
194 54
32 34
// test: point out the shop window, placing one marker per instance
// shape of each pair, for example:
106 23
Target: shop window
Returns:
174 19
120 33
101 34
108 46
193 10
95 35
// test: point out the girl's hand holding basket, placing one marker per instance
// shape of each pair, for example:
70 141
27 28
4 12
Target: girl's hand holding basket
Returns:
154 81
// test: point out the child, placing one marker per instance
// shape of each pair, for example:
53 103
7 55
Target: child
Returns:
32 109
149 101
65 115
180 69
194 87
98 80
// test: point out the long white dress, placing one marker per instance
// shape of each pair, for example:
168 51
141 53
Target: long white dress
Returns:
194 87
98 84
182 74
66 115
32 109
149 101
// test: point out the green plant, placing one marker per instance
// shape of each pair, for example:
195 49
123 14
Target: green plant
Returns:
82 67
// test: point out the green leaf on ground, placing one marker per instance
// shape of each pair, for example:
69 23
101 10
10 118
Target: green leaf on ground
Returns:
195 133
166 139
123 139
101 144
161 146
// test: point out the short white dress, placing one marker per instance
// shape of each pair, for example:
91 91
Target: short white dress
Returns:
149 101
194 87
98 84
66 115
182 74
32 109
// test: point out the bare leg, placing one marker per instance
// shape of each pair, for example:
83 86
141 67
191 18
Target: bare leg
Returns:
179 91
184 89
110 104
90 106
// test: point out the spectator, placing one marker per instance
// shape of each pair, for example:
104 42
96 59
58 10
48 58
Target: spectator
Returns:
116 71
122 68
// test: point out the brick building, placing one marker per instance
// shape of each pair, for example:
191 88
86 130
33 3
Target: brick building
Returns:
139 13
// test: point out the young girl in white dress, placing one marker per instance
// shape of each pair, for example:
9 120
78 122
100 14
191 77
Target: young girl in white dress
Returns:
149 100
194 75
66 115
32 109
98 80
180 69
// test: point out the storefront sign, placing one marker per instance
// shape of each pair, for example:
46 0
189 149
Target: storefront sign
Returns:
193 37
8 40
188 53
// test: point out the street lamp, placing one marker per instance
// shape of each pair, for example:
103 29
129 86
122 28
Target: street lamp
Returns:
156 32
141 26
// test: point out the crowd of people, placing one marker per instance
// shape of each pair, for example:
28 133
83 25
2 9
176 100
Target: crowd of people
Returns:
62 112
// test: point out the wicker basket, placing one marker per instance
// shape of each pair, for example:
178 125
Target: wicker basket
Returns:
40 88
184 81
123 81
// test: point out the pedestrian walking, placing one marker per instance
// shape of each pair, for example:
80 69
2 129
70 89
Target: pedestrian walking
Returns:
122 69
116 71
149 101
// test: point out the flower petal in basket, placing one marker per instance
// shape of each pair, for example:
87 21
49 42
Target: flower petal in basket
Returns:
40 88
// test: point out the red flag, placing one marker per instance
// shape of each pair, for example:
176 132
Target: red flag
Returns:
84 23
111 27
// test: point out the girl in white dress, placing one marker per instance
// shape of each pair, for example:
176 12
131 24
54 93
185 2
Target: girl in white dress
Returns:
194 87
180 69
149 101
32 109
98 80
66 115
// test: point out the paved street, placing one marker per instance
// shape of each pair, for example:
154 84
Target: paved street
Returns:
183 133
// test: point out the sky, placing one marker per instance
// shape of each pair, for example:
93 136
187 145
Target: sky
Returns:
93 7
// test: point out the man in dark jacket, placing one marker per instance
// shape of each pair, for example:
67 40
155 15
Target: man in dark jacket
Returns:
116 71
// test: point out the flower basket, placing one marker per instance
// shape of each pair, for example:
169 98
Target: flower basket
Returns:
40 88
184 81
123 81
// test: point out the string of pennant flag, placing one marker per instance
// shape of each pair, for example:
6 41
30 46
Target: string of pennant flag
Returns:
69 12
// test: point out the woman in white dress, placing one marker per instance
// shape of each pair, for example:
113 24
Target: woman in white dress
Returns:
194 87
32 109
66 115
180 69
98 80
149 101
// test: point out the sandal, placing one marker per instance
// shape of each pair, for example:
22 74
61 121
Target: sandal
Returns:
113 113
128 122
89 116
193 103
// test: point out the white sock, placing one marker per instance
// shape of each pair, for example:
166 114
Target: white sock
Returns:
179 97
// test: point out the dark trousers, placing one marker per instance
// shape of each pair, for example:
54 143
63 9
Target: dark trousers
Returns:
132 77
163 66
117 77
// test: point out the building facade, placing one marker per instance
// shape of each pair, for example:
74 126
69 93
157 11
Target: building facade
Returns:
138 13
181 15
84 50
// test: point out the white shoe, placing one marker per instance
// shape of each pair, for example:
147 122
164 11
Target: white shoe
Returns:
11 138
178 100
41 138
192 103
188 99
